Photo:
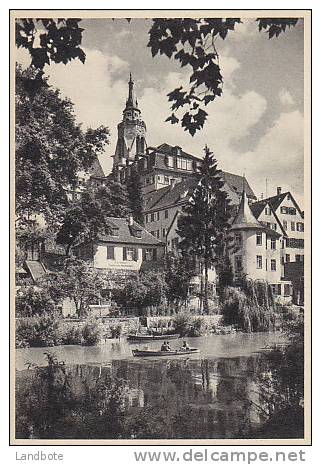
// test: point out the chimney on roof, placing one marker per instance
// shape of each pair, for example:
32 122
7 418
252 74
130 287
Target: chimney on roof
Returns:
130 220
278 190
262 196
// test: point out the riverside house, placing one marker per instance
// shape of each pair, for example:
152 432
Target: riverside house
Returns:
126 249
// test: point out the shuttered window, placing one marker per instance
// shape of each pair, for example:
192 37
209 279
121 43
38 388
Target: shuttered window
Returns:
110 252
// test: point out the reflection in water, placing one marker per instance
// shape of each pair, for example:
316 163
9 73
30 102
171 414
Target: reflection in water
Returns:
209 398
191 397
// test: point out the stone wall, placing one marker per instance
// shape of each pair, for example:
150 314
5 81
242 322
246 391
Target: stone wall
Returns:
128 324
210 320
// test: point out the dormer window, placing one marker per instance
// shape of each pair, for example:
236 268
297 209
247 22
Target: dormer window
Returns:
114 231
136 232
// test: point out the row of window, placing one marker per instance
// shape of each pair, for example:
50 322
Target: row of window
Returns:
259 263
259 240
151 217
294 226
131 253
179 163
294 243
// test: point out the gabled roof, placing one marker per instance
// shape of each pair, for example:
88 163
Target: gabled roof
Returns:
276 200
125 233
258 207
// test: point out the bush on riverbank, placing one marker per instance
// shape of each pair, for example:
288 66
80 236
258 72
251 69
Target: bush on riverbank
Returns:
91 333
31 301
70 335
187 325
116 331
38 331
250 306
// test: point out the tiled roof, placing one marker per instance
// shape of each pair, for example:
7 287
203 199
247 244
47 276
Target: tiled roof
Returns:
173 194
125 233
170 195
151 198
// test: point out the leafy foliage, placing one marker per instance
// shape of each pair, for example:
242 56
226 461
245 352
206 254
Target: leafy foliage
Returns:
148 289
78 281
192 43
72 402
38 331
87 218
204 223
274 26
52 150
50 40
250 307
31 301
135 195
178 272
91 333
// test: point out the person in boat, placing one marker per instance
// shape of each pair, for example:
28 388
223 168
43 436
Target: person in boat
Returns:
165 347
185 346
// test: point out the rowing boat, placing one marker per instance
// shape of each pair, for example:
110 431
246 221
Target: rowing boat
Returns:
163 353
151 337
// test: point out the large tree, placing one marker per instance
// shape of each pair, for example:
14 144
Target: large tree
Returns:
135 194
52 151
204 222
87 218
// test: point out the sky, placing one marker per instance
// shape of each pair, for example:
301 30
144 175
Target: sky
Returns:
255 128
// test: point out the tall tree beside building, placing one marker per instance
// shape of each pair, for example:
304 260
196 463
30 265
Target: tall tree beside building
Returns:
85 219
51 148
135 195
204 223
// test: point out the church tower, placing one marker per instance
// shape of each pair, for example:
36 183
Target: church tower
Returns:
131 142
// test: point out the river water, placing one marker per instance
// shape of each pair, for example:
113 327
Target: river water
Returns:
213 394
211 347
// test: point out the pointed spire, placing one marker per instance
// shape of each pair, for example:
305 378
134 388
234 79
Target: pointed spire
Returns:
130 100
245 218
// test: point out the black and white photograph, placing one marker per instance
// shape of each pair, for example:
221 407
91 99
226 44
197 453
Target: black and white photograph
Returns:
160 180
